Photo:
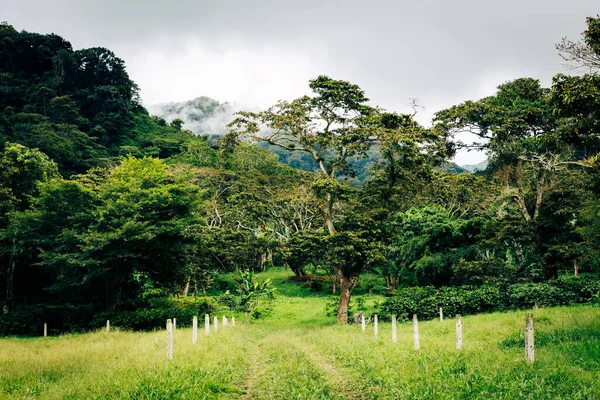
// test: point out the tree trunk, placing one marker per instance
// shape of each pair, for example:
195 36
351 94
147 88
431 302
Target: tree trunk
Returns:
187 287
347 283
541 185
10 294
327 213
520 200
270 257
262 261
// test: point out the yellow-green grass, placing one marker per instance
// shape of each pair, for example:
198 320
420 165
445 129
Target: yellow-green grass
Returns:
299 353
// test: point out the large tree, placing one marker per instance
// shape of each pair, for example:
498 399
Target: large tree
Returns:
332 126
22 171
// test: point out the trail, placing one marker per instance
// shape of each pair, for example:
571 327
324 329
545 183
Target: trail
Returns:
253 372
337 375
292 340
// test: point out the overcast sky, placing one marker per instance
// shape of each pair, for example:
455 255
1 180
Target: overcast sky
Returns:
256 52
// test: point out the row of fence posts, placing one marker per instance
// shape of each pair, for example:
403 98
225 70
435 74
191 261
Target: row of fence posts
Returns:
529 332
171 326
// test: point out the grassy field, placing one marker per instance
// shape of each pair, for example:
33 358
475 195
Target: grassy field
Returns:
298 353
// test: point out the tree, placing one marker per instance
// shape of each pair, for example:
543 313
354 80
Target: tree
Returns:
100 234
332 126
583 55
518 130
22 170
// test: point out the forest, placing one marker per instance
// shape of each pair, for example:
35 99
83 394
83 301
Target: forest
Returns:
108 211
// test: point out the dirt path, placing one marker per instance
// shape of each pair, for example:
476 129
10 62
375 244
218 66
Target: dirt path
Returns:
337 375
253 372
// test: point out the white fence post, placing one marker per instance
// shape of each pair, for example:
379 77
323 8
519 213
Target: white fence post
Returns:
232 320
363 324
376 325
194 330
393 329
529 339
458 332
169 340
224 320
206 324
216 323
174 324
45 329
441 314
107 326
416 332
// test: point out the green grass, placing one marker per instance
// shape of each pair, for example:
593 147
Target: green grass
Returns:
298 352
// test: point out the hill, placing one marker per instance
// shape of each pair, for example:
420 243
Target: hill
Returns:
476 167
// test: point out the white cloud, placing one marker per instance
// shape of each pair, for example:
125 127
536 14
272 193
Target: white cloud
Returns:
227 71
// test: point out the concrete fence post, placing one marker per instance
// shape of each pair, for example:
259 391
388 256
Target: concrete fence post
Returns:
529 339
376 325
194 329
415 323
169 340
459 336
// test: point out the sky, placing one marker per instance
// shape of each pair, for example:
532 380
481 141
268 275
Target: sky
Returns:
256 52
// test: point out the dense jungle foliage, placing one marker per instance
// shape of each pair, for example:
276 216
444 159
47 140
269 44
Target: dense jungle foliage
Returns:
105 208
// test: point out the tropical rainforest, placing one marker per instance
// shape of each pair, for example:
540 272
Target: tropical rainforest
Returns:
108 210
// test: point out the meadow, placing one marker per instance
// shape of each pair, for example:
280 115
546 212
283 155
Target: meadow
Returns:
297 352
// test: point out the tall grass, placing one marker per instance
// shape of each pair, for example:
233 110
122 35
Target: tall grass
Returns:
299 353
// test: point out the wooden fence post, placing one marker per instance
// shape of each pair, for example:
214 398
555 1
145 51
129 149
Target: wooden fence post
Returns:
216 323
206 324
194 330
363 324
416 332
107 326
45 329
529 339
393 329
169 340
441 314
376 324
458 332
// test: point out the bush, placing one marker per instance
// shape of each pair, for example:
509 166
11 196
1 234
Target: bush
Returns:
29 320
184 309
224 282
316 283
426 301
61 318
527 295
229 300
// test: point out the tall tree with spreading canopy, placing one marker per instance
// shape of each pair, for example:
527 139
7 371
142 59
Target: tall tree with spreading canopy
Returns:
333 126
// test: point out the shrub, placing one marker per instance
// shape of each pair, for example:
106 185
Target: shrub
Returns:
184 309
426 301
229 300
29 320
224 282
527 295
